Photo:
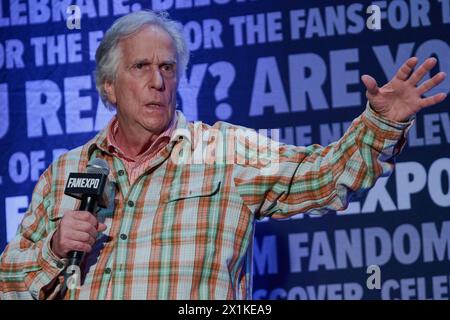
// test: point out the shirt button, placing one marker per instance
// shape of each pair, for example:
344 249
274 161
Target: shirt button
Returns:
123 236
108 270
121 172
131 203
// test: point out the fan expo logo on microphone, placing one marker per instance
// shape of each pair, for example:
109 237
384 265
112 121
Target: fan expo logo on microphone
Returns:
83 183
79 184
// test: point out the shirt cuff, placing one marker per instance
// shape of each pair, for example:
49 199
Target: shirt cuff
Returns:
49 258
386 128
52 266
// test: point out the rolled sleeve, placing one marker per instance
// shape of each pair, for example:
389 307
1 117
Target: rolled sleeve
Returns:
317 179
52 267
387 131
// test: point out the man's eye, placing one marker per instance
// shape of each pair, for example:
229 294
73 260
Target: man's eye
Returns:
140 66
168 67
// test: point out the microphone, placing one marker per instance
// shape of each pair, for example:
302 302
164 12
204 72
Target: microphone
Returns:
89 188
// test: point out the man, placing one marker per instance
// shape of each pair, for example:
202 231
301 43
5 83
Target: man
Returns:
183 230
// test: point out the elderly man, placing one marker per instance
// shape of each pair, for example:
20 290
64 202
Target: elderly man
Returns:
185 230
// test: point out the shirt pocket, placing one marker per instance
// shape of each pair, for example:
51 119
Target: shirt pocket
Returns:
185 218
189 192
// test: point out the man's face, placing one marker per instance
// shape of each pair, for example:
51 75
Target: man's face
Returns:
144 90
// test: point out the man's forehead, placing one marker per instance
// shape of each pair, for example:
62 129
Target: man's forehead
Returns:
153 32
159 42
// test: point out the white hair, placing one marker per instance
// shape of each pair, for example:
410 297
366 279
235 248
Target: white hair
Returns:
108 52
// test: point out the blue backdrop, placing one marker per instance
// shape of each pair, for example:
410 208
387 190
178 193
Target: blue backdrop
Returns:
293 65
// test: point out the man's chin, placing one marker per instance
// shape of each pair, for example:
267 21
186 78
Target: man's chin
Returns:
157 127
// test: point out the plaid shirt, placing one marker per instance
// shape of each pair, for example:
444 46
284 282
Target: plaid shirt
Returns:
185 231
137 165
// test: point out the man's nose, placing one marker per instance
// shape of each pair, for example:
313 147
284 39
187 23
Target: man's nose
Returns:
156 80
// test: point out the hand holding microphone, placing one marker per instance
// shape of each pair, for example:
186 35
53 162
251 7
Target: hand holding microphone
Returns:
77 231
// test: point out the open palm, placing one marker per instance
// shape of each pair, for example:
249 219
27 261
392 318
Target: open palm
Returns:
401 98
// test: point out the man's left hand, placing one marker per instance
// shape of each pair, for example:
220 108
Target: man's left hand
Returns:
401 98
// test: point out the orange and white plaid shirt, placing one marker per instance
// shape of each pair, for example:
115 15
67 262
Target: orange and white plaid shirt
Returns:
135 167
184 230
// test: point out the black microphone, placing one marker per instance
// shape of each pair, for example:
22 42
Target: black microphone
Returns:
89 188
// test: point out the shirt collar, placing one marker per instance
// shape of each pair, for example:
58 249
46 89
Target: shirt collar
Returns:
113 146
179 130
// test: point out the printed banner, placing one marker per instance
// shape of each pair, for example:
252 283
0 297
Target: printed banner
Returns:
288 65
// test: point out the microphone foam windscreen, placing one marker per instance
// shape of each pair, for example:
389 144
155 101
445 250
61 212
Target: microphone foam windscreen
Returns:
97 165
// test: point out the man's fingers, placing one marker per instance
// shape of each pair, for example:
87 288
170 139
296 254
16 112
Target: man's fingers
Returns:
78 246
437 98
405 70
79 236
78 231
431 83
370 83
86 216
84 226
101 227
422 71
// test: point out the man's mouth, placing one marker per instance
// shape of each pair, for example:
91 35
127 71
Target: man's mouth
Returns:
154 104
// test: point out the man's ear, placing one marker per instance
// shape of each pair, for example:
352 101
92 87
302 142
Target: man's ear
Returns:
108 86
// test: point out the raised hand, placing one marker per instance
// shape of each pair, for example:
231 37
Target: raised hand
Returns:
401 98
